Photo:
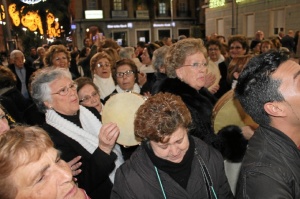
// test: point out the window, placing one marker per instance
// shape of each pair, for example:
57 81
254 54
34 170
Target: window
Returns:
91 5
117 4
162 8
220 26
250 25
278 17
182 8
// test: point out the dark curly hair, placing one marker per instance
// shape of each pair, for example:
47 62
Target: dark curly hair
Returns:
256 86
160 116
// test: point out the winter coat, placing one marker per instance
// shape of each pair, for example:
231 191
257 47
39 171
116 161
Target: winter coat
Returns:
271 166
137 178
200 104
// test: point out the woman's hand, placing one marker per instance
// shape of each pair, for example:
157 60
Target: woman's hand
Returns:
74 165
209 80
142 79
108 136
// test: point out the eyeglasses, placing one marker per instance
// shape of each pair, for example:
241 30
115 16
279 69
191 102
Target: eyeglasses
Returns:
88 98
197 64
126 73
213 49
65 90
101 65
235 47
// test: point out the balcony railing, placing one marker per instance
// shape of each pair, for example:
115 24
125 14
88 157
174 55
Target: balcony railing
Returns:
142 14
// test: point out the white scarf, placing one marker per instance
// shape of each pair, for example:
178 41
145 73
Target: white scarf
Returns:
106 85
136 89
87 136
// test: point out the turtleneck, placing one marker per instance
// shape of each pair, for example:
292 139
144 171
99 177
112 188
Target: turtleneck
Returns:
72 118
180 172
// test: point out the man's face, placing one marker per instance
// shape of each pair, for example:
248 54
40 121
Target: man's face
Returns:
289 74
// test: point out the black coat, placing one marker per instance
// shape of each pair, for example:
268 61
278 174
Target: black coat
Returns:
271 166
96 167
200 104
137 178
29 72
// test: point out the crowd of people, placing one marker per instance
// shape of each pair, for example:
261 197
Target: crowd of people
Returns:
51 107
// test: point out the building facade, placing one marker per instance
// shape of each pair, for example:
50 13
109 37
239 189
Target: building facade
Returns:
229 17
130 21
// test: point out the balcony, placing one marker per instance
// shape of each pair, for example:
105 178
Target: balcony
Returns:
119 13
142 14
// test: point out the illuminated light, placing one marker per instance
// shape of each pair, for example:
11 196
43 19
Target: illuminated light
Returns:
2 16
93 14
32 21
129 25
216 3
87 30
238 1
118 26
32 1
157 25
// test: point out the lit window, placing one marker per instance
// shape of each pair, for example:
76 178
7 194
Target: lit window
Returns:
117 4
162 8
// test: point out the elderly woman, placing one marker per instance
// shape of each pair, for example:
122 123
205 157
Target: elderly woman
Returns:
101 71
76 130
88 93
186 63
31 168
170 163
59 56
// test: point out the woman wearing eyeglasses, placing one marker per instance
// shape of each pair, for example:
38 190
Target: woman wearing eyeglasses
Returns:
186 67
125 74
77 130
101 72
88 93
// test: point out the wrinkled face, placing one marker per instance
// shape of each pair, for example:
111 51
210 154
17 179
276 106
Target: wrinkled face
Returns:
214 52
236 49
90 97
65 104
145 57
127 81
103 68
265 47
289 74
3 122
49 177
193 70
60 60
19 60
173 150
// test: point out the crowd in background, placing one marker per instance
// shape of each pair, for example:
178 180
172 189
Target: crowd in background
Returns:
63 90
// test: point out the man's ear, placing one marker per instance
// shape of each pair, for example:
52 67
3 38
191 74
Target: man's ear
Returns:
274 109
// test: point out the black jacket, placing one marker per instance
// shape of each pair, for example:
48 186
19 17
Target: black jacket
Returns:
137 179
271 166
96 167
200 104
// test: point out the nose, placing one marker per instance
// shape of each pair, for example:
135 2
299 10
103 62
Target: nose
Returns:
173 150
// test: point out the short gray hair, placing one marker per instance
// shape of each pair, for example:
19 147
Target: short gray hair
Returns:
14 53
126 52
158 58
40 89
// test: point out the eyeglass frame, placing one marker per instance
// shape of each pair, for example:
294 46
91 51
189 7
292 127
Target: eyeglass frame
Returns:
127 73
197 65
88 98
100 65
73 86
